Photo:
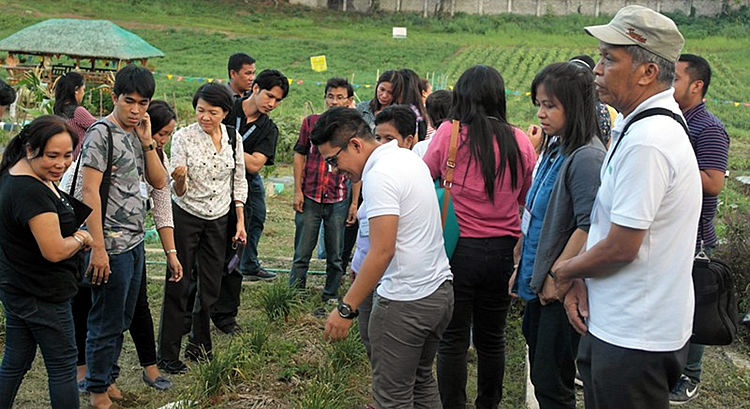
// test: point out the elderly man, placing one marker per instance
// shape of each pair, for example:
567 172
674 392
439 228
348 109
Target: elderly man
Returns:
635 306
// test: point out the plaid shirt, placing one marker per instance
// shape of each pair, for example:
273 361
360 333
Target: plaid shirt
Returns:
318 182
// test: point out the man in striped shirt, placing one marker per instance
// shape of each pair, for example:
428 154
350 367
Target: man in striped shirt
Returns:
711 144
321 196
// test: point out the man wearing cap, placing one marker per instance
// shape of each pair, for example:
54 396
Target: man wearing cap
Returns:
631 292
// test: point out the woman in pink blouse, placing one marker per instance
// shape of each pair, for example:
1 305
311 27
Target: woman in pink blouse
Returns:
491 176
208 183
69 90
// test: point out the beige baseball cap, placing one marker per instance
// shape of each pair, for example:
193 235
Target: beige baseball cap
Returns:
641 26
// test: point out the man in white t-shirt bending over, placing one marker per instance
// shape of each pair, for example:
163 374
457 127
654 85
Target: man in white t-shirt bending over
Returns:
638 316
413 302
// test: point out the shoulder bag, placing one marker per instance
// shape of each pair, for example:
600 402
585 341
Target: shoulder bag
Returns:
447 214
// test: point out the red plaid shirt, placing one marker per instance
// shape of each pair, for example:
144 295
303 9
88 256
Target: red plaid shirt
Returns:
318 182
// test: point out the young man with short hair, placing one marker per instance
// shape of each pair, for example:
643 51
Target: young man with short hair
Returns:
241 68
635 307
117 255
320 195
711 144
260 135
413 302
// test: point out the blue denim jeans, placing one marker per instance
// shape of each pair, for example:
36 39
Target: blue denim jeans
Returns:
29 322
307 224
112 307
255 218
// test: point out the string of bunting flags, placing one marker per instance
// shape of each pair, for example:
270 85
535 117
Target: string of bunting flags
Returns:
298 81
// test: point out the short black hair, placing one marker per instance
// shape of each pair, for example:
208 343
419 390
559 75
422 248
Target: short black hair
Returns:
267 79
7 94
339 124
237 60
402 117
698 69
160 114
35 136
133 78
214 94
438 105
338 82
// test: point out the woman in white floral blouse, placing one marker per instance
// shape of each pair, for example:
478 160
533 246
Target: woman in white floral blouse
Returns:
208 182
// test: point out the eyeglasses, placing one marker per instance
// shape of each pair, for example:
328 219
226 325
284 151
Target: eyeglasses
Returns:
333 160
339 98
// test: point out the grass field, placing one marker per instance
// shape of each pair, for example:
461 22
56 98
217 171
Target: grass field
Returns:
283 362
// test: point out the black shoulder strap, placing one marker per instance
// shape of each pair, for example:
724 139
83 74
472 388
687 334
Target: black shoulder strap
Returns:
232 133
106 178
645 114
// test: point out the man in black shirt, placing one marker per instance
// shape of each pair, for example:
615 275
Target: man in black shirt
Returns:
260 136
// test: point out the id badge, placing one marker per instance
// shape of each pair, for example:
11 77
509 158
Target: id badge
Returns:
364 228
525 221
144 190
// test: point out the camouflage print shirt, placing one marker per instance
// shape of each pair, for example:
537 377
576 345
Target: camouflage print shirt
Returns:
126 207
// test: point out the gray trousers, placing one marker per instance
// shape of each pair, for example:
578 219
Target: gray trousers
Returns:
615 377
404 337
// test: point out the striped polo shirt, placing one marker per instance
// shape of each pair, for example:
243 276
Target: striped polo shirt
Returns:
711 144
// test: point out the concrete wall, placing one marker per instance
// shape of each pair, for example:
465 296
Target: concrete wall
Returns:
529 7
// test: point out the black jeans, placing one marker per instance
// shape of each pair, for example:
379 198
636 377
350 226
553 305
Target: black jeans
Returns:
553 344
481 270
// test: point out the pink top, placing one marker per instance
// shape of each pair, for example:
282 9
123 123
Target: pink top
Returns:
80 122
477 216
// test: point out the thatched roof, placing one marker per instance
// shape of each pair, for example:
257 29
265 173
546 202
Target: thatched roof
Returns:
80 38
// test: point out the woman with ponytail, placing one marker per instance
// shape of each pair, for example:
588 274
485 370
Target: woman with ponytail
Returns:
38 267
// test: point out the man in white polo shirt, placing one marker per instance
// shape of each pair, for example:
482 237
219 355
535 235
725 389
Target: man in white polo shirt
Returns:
413 302
636 305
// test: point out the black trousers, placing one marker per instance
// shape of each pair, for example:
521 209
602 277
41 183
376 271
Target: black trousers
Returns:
553 344
481 270
197 241
616 377
141 328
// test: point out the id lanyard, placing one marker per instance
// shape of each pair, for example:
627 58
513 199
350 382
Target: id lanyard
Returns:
247 133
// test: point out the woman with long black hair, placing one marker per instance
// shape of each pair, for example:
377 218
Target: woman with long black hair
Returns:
492 173
69 91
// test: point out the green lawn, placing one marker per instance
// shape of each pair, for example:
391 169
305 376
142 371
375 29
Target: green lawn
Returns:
283 363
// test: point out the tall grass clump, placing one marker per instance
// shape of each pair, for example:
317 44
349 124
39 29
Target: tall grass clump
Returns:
216 378
278 300
330 388
349 352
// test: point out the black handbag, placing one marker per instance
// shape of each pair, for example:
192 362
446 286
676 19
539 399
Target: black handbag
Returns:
715 319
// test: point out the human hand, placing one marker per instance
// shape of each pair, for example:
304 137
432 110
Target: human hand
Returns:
576 305
548 294
98 266
351 217
337 328
143 130
536 136
299 202
511 283
180 174
175 267
241 235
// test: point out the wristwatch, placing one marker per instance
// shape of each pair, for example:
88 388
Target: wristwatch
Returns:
345 311
150 146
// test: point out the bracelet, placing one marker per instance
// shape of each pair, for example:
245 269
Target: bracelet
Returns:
239 205
551 274
170 251
79 240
